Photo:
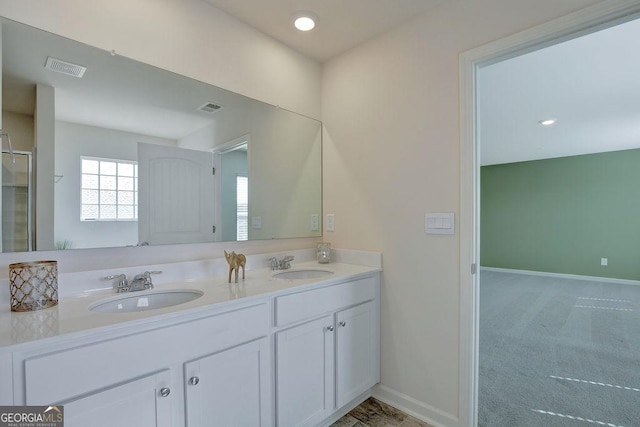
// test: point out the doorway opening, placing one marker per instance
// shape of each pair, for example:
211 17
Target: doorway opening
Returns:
588 21
233 185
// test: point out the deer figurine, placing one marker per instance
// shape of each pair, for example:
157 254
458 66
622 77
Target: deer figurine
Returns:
235 262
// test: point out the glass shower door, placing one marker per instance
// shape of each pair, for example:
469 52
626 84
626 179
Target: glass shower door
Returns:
16 203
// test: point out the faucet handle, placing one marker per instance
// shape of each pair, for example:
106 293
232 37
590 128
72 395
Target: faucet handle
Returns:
285 262
121 285
142 281
147 274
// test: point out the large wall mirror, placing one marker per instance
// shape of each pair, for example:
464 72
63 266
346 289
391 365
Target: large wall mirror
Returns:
110 152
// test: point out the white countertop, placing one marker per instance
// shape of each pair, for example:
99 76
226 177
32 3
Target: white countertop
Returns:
72 314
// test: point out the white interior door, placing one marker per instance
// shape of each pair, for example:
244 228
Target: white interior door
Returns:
175 195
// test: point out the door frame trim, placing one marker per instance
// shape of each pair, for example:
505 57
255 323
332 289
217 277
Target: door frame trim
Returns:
585 21
217 152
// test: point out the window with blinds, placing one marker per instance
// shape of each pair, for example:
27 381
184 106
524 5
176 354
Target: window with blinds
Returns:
242 205
109 190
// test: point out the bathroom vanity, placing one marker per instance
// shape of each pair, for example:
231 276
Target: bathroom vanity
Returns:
267 351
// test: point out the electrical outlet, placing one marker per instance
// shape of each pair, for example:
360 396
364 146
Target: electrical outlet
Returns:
331 222
604 262
315 222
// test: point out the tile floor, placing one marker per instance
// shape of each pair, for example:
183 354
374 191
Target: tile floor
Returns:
373 413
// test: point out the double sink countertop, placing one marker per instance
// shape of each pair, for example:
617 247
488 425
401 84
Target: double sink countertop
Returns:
72 316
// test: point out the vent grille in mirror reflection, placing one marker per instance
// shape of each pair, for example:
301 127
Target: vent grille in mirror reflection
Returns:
210 107
64 67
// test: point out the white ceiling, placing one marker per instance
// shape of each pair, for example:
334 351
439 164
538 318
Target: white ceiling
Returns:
342 24
591 85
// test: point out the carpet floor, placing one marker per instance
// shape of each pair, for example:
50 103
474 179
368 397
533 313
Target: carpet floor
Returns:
558 352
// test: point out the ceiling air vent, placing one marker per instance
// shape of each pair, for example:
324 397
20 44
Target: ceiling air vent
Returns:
210 107
65 67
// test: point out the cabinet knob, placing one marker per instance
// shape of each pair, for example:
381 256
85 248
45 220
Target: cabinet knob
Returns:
330 328
343 323
194 380
164 391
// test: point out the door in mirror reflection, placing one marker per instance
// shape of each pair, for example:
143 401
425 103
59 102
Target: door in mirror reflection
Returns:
176 195
16 206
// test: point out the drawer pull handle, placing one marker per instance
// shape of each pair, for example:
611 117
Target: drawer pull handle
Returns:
343 323
330 328
194 380
164 391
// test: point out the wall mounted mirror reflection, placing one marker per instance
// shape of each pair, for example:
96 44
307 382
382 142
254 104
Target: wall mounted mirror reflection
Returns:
120 153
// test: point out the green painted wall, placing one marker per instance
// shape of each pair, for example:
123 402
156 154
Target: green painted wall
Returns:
563 215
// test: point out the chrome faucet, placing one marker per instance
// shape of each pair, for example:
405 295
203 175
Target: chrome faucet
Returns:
121 284
140 282
283 264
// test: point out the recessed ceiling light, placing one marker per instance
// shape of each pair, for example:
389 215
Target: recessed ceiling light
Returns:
305 21
547 122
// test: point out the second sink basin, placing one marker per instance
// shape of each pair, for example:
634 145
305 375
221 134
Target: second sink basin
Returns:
145 300
302 274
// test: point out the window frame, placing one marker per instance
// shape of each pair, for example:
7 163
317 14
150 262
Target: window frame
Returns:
118 191
245 219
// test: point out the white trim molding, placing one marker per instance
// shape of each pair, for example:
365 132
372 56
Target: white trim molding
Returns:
599 16
563 276
413 407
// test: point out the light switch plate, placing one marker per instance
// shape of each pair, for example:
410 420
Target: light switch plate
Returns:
256 222
439 223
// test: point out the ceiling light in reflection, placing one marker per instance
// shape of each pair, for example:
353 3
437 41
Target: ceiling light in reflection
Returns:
547 122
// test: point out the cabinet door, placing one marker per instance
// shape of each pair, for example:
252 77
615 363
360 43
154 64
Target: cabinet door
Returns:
144 402
230 388
355 347
305 368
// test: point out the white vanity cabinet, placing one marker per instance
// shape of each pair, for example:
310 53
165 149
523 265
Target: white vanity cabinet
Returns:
229 388
327 352
304 373
139 402
298 355
204 372
356 352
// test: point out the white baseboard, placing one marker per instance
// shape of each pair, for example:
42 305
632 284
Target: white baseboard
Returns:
413 407
563 276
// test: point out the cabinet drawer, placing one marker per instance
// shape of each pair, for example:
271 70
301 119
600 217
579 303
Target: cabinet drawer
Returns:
59 376
303 305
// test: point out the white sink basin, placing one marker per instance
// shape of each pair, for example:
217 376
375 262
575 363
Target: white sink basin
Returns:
302 274
145 300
